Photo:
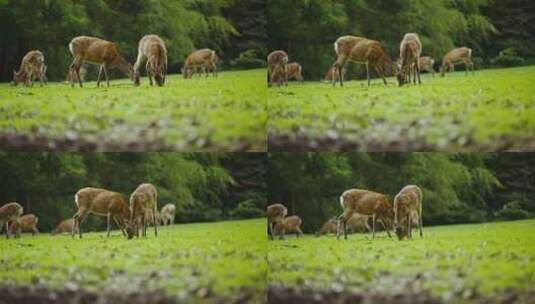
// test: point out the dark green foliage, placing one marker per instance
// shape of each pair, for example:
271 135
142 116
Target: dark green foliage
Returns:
203 186
458 188
49 25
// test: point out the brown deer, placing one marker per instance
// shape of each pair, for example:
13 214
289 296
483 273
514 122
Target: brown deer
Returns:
9 212
102 202
65 226
168 212
290 224
409 63
329 227
204 59
31 67
367 203
71 75
277 65
153 48
426 64
143 203
331 75
358 222
275 214
293 71
98 52
456 56
361 51
25 223
408 208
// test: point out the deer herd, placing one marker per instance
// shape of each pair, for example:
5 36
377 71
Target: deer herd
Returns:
106 55
358 207
372 55
130 216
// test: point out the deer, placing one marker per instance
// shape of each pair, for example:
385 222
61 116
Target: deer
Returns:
409 55
25 223
366 203
275 214
332 75
456 56
168 212
153 49
361 51
277 64
205 59
290 224
31 67
426 64
293 71
9 212
329 227
143 202
358 222
408 208
98 52
102 202
65 226
71 75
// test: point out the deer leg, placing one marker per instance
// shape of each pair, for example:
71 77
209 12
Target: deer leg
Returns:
299 232
149 74
108 221
100 70
420 225
368 73
75 68
373 226
270 228
116 221
386 228
105 68
418 72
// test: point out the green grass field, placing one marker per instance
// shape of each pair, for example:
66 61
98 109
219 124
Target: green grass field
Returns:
453 263
494 109
190 262
227 113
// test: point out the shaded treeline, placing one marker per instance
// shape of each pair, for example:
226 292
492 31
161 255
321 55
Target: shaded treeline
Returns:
49 25
457 187
308 29
203 186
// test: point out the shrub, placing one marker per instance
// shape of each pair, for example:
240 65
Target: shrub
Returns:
246 209
248 59
512 211
507 58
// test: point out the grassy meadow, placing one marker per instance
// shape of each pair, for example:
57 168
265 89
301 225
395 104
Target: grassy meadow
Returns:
227 113
190 262
452 263
494 109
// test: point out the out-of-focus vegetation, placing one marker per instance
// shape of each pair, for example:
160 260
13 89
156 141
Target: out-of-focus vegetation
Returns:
234 28
457 187
203 186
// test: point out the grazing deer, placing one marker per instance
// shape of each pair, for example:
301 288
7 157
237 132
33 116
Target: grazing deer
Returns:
205 59
408 207
358 222
290 224
143 203
9 212
426 64
168 212
102 202
293 71
71 75
367 203
277 65
153 48
328 227
456 56
361 51
275 214
331 75
65 226
25 223
409 55
98 52
31 67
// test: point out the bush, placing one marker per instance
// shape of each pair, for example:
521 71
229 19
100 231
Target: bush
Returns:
246 209
507 58
512 211
248 59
